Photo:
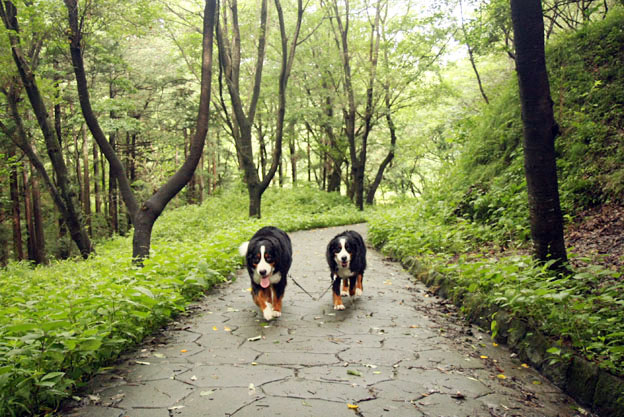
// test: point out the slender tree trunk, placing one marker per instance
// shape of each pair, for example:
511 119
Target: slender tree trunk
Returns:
293 152
86 183
18 244
471 55
96 179
540 131
31 241
4 240
113 218
40 252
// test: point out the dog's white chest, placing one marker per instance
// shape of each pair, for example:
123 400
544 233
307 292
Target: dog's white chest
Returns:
344 272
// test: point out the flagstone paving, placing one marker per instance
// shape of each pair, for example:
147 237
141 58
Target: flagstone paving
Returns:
395 351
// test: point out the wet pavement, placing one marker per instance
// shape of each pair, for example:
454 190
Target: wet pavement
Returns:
395 351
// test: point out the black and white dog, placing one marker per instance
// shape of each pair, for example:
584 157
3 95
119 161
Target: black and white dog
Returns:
346 256
268 256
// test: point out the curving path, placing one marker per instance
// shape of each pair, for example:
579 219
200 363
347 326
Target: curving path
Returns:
396 351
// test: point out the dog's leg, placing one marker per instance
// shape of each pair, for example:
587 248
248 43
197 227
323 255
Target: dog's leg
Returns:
345 287
277 304
351 286
336 293
358 285
263 300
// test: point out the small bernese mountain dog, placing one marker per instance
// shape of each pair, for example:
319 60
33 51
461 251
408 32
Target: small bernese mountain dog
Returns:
346 256
268 256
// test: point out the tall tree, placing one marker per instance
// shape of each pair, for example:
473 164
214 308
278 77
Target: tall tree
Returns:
65 198
357 135
540 130
241 122
144 215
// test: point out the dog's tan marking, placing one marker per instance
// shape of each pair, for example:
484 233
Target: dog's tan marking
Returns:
358 285
338 302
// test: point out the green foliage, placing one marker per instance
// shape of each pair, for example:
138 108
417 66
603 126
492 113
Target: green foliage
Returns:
587 76
60 324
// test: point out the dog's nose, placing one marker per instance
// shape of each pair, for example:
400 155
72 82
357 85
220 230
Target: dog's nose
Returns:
262 272
344 259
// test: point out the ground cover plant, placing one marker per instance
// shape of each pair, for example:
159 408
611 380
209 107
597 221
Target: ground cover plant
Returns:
60 324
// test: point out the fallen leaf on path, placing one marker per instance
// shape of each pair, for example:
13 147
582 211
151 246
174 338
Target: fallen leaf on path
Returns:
142 363
354 372
254 339
353 406
206 393
524 365
194 378
495 344
227 329
159 355
215 328
483 357
183 350
176 407
501 376
252 389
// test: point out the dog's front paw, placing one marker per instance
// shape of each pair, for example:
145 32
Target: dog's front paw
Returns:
339 307
358 292
277 313
268 312
344 293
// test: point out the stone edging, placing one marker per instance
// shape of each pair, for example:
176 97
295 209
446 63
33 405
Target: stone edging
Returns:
583 380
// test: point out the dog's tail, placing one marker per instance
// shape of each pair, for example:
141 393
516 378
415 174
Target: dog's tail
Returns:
242 249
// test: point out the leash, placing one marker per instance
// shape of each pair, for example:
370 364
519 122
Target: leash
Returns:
326 289
304 290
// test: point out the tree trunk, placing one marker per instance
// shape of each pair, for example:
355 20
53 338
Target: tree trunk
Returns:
370 195
86 184
39 248
31 241
96 179
540 131
18 244
113 218
69 209
471 55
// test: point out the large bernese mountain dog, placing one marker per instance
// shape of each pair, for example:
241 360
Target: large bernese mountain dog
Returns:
268 256
346 256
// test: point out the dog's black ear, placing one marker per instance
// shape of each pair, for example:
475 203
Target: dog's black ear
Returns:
329 255
359 260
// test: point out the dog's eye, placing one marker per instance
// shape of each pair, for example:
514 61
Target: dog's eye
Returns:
268 257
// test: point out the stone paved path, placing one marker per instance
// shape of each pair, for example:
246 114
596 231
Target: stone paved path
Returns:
396 351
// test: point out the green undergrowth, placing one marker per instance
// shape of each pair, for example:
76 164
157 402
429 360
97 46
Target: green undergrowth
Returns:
583 311
60 323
